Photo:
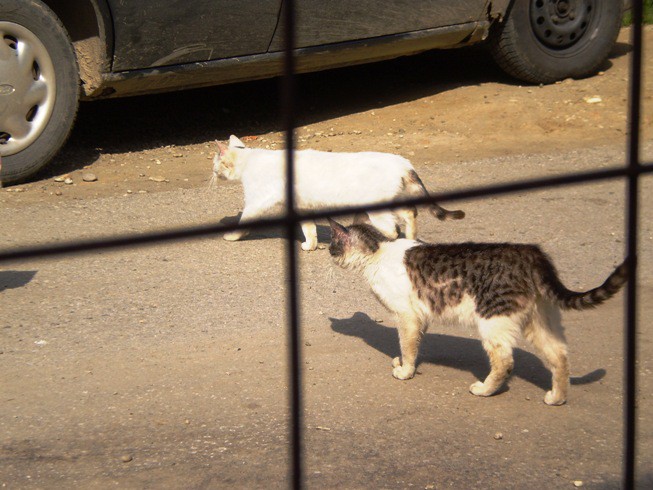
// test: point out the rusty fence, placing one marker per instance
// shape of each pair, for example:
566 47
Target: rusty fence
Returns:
631 173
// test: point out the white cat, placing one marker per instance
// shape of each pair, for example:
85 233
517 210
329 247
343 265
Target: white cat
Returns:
324 180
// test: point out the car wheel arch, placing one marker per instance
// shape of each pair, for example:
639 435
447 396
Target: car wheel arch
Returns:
496 9
89 26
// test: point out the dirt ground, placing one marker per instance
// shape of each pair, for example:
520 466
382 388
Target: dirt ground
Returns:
165 366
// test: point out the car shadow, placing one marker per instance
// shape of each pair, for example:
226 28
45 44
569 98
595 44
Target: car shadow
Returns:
15 279
203 115
460 353
619 50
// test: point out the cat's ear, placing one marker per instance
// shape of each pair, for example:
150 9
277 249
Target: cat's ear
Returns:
338 232
234 142
222 149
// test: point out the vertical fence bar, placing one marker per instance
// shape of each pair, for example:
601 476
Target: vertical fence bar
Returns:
288 110
634 168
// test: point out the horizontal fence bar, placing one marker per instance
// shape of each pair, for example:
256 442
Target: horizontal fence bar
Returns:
210 229
199 231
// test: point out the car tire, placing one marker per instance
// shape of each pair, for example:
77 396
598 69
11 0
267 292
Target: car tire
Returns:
39 88
542 41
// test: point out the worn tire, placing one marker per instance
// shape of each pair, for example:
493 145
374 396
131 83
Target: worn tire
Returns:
39 88
542 41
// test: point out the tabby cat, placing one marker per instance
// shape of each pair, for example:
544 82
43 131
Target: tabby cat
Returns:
505 290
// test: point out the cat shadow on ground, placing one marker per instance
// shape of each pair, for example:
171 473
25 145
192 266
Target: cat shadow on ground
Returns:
15 279
461 353
323 232
260 234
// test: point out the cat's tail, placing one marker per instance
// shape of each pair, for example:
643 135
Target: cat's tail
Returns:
572 300
415 187
444 214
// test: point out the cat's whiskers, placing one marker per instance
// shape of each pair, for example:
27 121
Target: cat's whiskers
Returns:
331 274
213 182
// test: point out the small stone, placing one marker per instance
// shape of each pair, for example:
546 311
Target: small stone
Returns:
126 458
61 178
58 193
89 177
307 344
578 483
498 436
594 99
68 181
158 178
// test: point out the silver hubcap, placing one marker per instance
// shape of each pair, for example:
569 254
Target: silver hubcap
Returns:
27 88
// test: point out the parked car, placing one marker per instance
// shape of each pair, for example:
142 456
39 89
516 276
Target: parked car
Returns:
54 53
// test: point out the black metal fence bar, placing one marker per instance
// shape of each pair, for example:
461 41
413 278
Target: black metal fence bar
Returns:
292 308
634 167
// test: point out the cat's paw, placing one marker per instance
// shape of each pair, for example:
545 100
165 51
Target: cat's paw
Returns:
396 362
553 399
403 372
480 389
233 236
309 246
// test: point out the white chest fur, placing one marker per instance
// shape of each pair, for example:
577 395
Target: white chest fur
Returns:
388 277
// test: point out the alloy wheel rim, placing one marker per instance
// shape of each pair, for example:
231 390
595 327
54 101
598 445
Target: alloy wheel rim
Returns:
27 88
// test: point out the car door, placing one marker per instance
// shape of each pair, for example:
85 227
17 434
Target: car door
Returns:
151 33
326 22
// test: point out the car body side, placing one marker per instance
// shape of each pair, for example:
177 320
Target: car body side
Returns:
130 48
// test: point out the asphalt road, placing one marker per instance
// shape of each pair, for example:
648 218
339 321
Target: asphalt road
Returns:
165 366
